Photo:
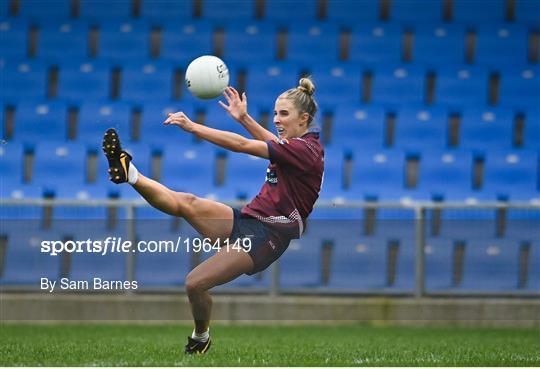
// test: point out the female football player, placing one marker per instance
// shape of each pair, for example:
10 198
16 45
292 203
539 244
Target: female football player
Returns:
274 217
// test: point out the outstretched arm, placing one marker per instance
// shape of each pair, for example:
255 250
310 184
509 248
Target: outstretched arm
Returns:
227 140
237 109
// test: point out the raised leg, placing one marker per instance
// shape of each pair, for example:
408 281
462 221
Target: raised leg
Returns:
211 219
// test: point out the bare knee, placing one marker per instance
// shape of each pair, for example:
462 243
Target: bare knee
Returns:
195 284
184 204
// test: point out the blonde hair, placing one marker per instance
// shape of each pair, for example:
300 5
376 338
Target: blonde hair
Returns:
302 97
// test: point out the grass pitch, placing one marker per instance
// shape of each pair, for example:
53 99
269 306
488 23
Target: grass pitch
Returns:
345 345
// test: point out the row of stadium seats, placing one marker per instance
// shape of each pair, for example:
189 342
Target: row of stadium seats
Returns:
281 11
138 82
432 44
331 255
360 174
370 127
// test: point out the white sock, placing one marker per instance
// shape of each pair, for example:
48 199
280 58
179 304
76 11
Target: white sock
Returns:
201 337
133 174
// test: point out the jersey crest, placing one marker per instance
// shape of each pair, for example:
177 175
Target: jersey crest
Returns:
271 177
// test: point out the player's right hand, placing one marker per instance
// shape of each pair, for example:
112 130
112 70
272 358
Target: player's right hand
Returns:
237 107
181 120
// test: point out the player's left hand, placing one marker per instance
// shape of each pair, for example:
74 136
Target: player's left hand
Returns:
181 120
237 107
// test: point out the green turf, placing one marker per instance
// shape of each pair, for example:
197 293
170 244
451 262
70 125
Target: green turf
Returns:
352 345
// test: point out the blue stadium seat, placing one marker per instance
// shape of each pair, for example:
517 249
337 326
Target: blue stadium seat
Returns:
25 265
183 42
378 175
96 117
14 213
159 11
87 266
486 129
415 11
351 13
121 42
38 121
11 166
520 87
490 265
438 264
229 10
526 12
189 169
358 126
217 117
300 265
51 160
260 38
14 38
358 263
478 11
445 175
502 45
244 177
333 185
64 217
531 132
510 176
461 86
3 109
399 85
23 80
285 12
152 130
163 269
11 162
361 262
59 41
376 43
330 78
45 10
464 224
439 44
316 41
523 224
100 10
86 192
396 224
13 191
421 129
405 263
84 80
533 281
266 82
144 81
103 188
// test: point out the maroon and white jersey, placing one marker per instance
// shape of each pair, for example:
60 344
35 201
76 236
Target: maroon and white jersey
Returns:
293 183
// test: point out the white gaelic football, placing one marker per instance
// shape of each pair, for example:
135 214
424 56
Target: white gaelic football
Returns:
207 76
